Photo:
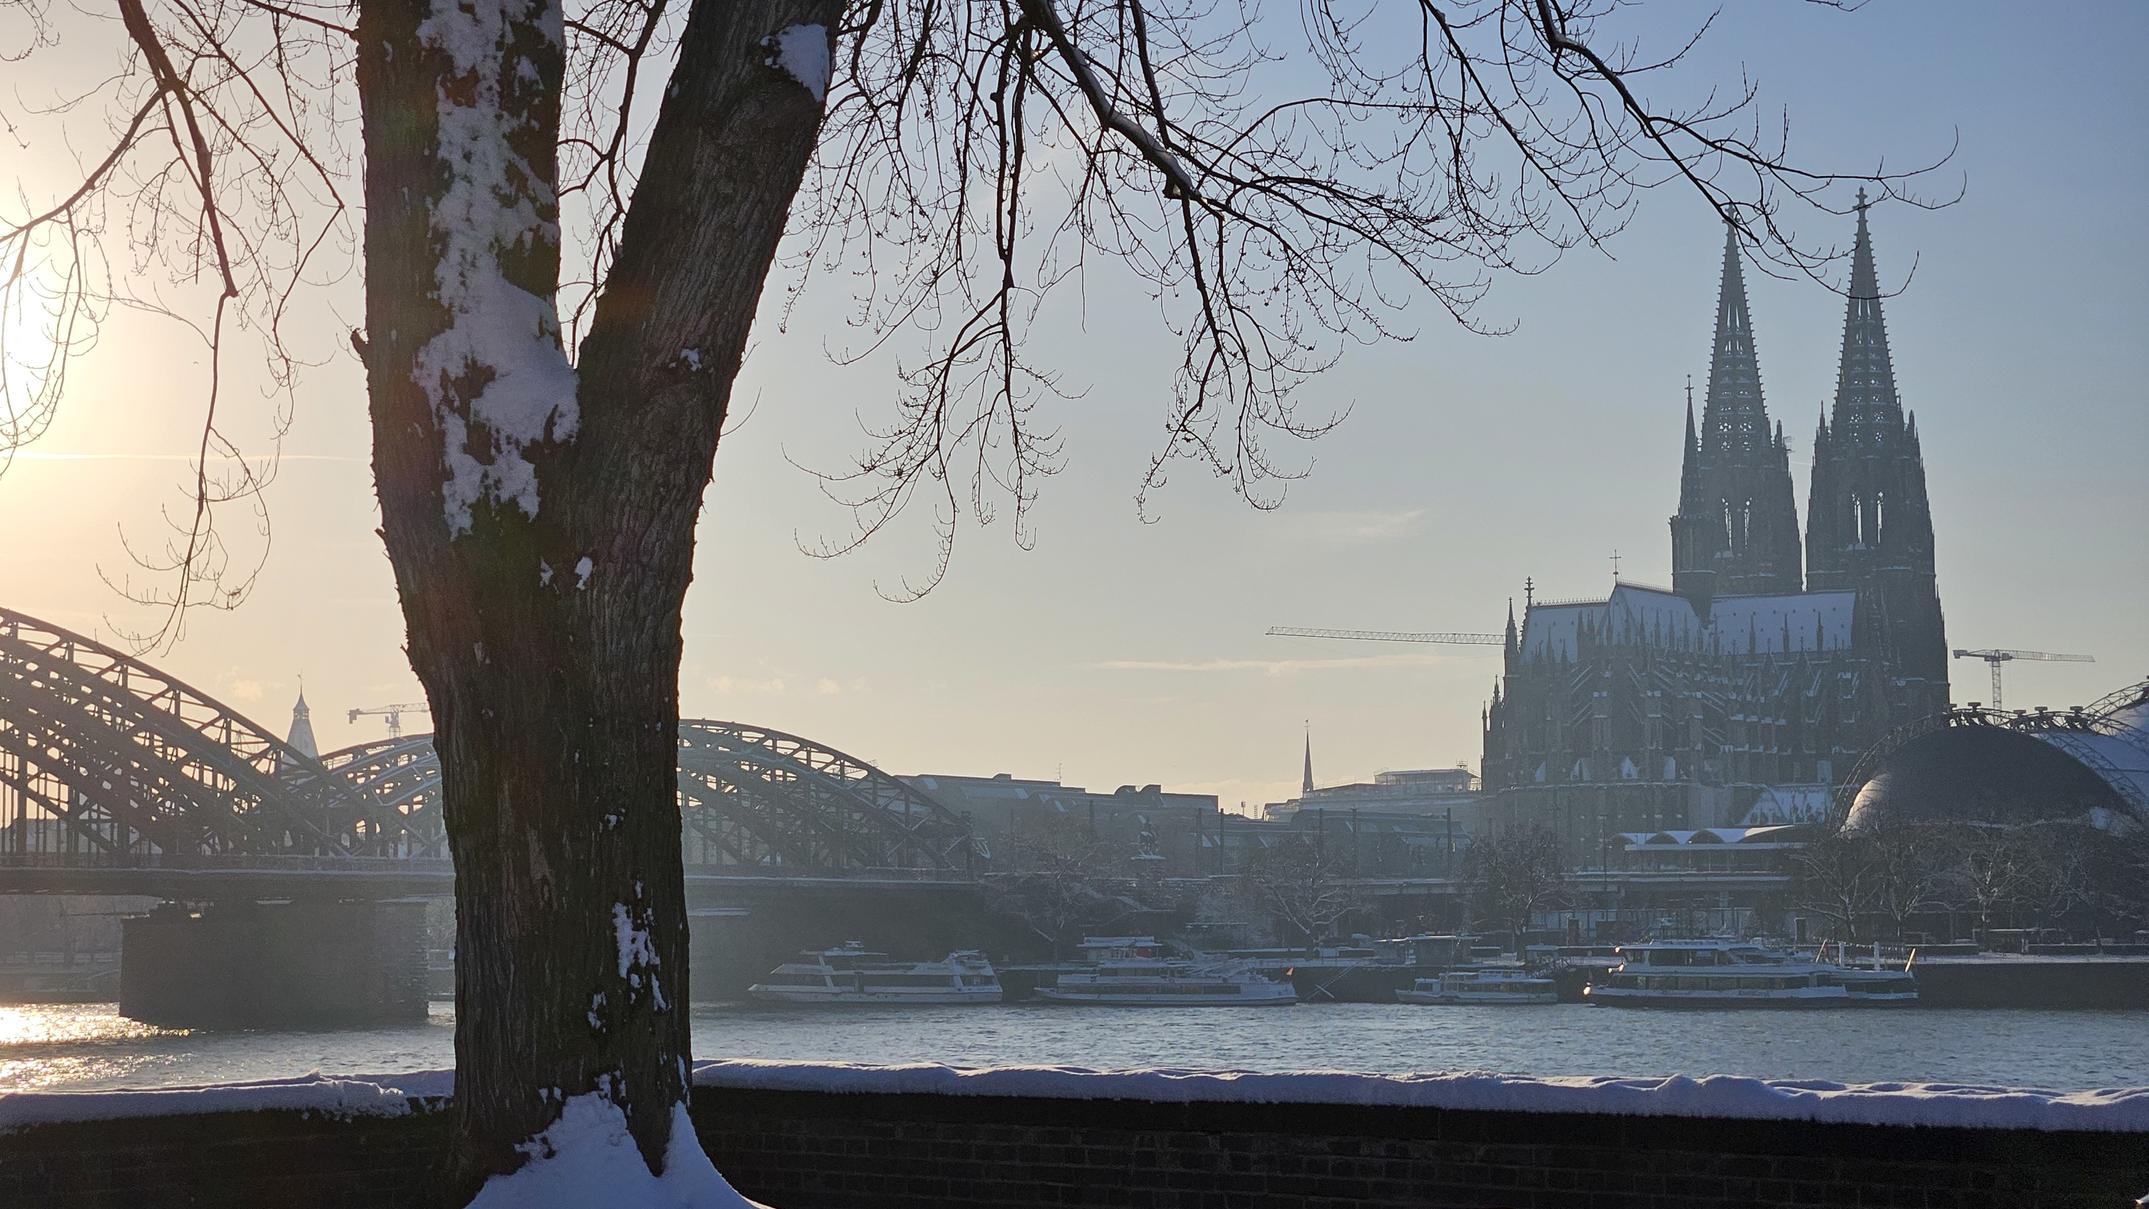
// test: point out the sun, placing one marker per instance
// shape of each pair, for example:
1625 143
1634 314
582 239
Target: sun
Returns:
29 326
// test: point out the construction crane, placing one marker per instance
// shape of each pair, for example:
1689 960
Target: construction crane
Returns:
1996 657
1294 631
394 714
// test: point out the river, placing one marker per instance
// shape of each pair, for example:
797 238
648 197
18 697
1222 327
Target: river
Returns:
84 1046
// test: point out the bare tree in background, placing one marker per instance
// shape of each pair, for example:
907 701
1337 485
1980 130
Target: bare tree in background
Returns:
1299 884
1838 878
545 410
1051 875
1515 873
1989 869
1911 877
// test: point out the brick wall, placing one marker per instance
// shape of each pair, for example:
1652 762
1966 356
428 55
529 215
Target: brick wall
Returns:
811 1150
816 1151
249 1160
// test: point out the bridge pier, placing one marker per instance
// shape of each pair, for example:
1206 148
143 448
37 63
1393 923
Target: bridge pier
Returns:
300 964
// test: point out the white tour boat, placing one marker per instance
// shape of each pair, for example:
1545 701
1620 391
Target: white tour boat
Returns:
1725 973
853 975
1133 971
1501 984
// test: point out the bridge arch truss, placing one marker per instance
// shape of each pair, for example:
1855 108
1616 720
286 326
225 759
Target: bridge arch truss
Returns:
751 800
104 760
104 757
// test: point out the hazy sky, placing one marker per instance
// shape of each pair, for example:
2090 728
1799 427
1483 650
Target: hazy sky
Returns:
1119 652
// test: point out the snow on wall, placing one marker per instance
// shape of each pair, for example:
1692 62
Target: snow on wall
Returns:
1724 1096
2116 1110
332 1095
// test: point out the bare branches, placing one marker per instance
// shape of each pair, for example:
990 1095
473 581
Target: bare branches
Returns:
1277 206
1279 193
226 175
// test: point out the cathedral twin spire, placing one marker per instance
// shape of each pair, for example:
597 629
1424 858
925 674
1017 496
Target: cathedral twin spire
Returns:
1868 508
1737 528
1869 524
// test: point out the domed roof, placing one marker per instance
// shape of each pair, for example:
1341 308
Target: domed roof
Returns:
1972 765
1988 774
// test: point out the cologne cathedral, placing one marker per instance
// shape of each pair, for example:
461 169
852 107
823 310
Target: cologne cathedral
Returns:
1769 662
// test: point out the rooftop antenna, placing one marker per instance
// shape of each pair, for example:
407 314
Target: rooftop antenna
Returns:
1615 564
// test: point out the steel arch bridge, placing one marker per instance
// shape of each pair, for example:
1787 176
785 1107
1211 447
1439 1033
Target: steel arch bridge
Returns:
751 799
106 761
105 756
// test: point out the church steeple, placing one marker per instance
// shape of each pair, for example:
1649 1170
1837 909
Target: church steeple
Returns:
1306 787
1737 526
301 739
1869 525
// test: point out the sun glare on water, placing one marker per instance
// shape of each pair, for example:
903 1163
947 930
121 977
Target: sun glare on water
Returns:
47 1045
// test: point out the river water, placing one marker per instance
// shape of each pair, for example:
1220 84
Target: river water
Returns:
83 1046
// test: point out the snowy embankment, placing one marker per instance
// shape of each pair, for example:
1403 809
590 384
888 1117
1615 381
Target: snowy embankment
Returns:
1725 1096
1721 1096
329 1095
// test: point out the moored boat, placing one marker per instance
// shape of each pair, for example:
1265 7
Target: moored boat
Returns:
1496 985
852 975
1721 973
1134 971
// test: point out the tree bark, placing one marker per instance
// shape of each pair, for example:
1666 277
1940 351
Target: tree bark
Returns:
548 637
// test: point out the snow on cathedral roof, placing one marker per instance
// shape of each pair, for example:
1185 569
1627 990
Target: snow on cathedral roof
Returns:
1791 622
1736 625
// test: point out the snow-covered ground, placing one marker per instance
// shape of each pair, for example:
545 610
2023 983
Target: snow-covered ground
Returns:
2110 1109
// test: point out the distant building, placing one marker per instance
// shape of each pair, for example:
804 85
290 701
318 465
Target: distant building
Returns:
1417 792
1131 830
1405 823
1764 666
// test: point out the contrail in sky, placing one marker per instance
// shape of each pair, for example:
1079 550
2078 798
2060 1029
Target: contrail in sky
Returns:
42 455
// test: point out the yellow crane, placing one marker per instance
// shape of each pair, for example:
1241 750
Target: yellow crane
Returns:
393 713
1997 656
1298 631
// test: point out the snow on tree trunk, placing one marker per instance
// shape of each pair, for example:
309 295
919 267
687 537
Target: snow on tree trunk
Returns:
540 521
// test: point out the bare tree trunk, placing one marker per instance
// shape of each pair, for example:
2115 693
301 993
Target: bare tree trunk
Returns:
544 616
